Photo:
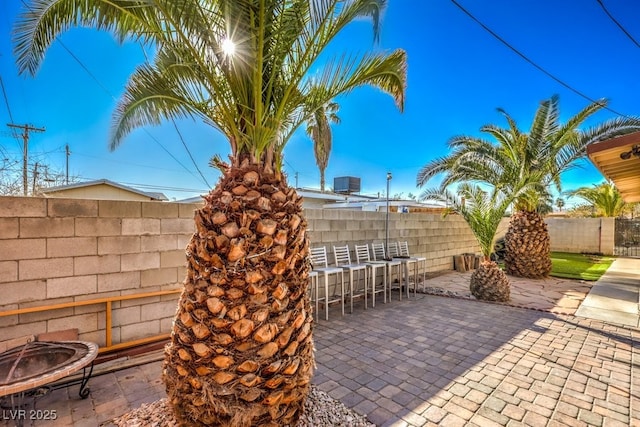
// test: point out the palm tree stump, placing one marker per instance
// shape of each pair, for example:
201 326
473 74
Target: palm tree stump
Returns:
528 246
490 283
241 350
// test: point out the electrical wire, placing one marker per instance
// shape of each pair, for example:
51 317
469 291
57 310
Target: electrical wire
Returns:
538 67
120 162
6 100
106 90
14 132
16 168
189 153
615 21
144 52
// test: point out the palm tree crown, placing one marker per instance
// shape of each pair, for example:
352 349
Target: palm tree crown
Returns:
539 156
535 160
319 129
481 209
604 197
258 95
241 348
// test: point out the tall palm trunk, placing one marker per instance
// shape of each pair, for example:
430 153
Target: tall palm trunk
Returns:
528 246
241 351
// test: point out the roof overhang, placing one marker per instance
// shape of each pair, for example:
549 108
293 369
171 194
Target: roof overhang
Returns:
608 155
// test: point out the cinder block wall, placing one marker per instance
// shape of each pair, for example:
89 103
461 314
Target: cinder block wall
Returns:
582 234
429 235
63 250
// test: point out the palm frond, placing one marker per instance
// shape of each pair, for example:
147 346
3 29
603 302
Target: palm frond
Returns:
514 160
259 95
481 208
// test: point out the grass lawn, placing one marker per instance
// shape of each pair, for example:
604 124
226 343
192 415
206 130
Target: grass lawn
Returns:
579 266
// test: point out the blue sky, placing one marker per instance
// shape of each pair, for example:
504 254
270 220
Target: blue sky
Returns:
458 74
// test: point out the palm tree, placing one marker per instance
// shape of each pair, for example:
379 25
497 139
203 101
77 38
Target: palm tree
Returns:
560 203
538 158
605 197
483 211
241 350
319 129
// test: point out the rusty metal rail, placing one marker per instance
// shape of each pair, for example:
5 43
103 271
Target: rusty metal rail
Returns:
108 301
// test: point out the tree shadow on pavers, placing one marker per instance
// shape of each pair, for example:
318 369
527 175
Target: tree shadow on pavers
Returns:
623 334
598 359
430 358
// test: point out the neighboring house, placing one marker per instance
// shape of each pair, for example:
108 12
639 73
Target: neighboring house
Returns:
380 205
311 199
315 199
102 189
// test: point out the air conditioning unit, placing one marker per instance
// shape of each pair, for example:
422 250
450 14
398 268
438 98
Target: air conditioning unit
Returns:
346 184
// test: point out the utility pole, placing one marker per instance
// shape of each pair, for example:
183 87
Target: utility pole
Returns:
35 178
296 180
68 153
25 149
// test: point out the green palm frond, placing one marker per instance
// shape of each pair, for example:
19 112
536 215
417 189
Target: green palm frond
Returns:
604 197
512 159
44 20
258 96
482 209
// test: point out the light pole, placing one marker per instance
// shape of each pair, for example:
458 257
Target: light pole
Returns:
386 228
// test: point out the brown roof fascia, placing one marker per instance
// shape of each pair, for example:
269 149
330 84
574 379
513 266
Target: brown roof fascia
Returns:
617 142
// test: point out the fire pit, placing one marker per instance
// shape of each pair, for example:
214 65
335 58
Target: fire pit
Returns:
39 363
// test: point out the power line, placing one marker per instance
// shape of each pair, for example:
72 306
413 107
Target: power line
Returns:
6 100
106 90
606 11
144 52
25 143
523 56
189 152
14 133
105 159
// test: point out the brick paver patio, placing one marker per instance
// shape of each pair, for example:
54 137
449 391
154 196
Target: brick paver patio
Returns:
552 294
454 362
438 361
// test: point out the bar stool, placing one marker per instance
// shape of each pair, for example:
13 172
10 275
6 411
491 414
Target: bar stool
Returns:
313 290
343 260
379 256
406 263
421 262
362 257
321 267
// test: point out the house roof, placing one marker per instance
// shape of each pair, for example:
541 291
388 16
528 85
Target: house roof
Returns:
310 194
151 195
608 155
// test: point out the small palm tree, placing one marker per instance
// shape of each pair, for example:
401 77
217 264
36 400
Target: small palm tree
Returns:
560 203
241 350
514 158
319 129
605 198
482 210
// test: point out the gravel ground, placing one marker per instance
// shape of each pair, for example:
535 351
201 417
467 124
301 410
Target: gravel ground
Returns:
320 409
441 291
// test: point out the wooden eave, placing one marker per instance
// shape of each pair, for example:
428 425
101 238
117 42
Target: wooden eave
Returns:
625 174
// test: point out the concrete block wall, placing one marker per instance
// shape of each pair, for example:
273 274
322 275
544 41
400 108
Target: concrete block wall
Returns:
595 235
62 250
428 235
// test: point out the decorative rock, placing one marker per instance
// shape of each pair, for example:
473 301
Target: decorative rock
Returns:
320 409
